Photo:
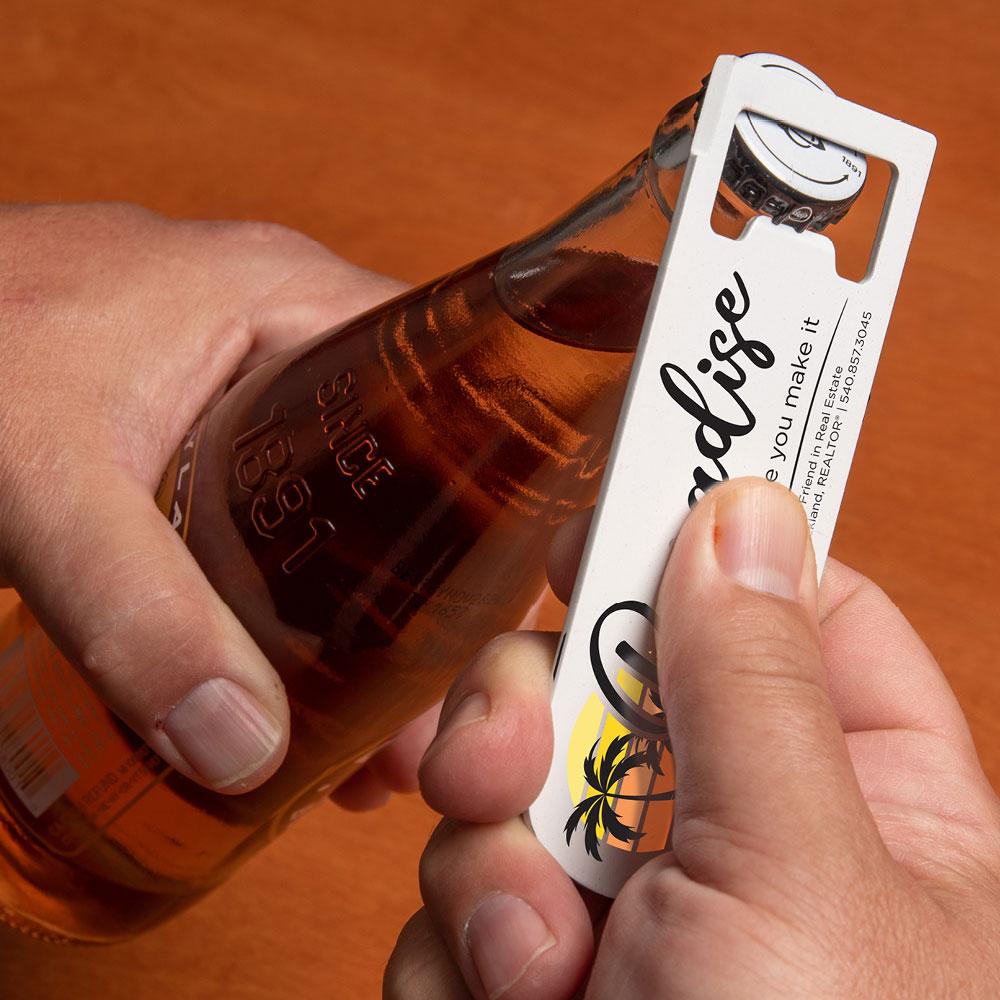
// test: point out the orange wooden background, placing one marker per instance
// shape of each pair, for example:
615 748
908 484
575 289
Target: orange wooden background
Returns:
413 137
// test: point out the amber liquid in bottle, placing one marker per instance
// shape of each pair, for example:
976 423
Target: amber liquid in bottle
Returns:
372 528
374 506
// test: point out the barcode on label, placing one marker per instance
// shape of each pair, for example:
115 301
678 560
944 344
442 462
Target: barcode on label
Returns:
29 758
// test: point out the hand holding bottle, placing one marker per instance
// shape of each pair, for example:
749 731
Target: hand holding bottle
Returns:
834 836
117 328
368 507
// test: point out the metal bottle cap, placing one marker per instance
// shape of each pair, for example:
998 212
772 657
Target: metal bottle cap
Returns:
795 177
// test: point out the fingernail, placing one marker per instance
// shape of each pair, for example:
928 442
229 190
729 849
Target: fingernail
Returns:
505 935
760 539
222 731
471 708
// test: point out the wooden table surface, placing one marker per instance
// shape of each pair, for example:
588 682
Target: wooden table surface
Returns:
413 137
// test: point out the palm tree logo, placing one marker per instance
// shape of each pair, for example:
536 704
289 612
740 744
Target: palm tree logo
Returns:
596 810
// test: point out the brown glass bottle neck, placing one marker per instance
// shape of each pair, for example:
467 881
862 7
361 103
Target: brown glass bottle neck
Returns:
585 279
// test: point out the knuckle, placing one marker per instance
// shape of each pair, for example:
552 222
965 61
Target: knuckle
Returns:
269 236
774 626
159 625
780 648
748 636
483 662
288 255
499 646
690 915
665 896
646 910
104 225
715 849
773 667
654 890
771 874
511 655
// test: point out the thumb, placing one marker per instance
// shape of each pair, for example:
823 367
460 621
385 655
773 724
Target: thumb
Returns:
764 777
128 605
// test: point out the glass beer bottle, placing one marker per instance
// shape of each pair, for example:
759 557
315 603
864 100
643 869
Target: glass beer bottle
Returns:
374 505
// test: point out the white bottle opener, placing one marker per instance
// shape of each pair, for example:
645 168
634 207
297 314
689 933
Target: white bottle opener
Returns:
757 358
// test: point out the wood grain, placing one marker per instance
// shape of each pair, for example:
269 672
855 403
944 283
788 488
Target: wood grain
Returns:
412 138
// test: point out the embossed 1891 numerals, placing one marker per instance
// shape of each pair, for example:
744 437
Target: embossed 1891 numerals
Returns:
281 499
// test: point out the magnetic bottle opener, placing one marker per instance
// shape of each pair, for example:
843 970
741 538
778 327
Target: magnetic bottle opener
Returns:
756 358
